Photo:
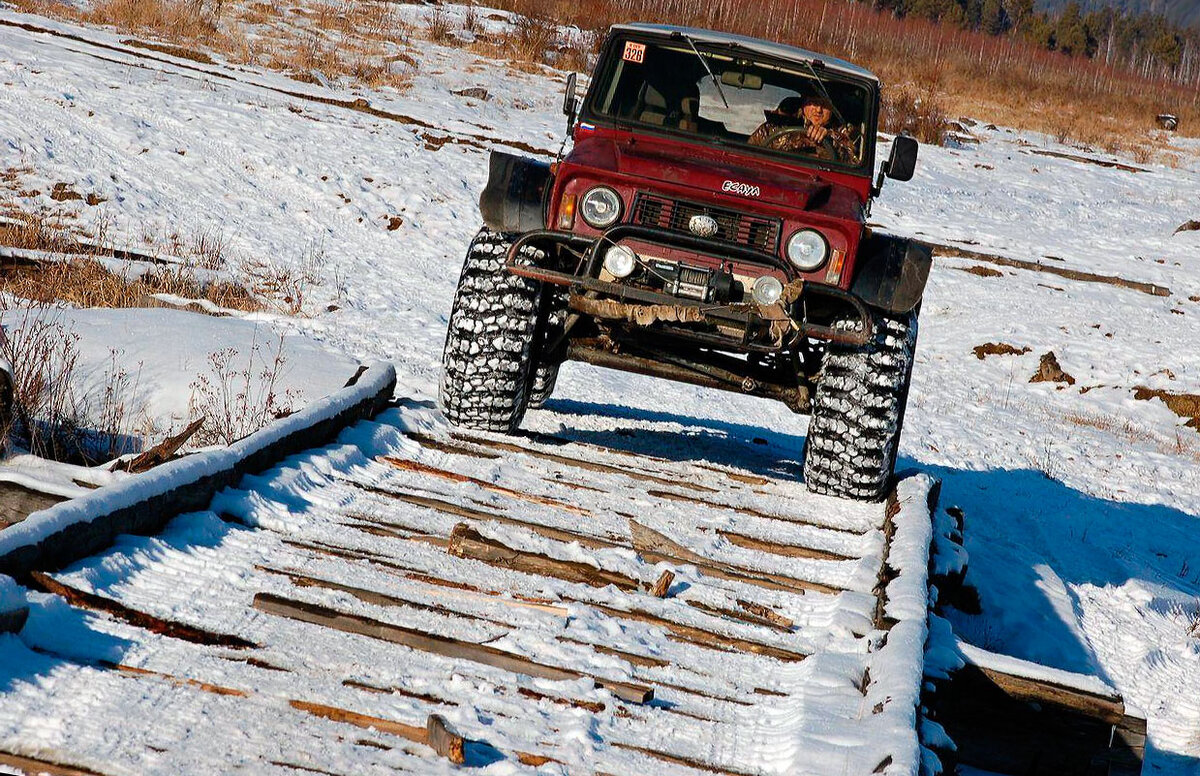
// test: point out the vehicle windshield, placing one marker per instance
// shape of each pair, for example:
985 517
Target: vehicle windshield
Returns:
789 109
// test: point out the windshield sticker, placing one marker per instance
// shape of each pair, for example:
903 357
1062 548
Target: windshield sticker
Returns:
745 189
635 52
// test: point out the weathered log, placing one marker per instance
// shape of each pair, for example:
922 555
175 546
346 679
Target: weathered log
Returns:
160 453
444 646
176 630
466 542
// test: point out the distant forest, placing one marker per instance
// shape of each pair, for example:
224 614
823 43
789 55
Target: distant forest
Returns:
1134 34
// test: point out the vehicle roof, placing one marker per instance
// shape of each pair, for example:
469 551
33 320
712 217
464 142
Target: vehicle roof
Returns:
770 48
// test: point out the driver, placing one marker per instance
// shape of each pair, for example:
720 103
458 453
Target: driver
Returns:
803 126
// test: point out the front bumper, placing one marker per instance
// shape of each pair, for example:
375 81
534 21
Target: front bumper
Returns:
764 329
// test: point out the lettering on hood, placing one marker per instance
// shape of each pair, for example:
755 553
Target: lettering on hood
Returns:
745 189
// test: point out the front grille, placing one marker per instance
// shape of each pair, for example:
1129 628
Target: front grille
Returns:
758 232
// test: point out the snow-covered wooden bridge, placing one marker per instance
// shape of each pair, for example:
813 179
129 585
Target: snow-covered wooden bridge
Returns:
411 599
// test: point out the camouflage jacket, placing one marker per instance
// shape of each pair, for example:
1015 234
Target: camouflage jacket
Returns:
839 145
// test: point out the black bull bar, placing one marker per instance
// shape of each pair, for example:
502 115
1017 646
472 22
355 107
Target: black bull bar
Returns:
589 281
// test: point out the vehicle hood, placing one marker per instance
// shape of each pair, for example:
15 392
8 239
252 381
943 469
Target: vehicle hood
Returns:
716 173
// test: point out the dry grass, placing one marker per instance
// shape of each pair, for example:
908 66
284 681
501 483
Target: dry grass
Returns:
88 283
1185 443
80 279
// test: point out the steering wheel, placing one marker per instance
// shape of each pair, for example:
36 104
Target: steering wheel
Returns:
779 135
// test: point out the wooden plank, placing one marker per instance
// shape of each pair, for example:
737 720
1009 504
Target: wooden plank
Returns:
689 634
176 630
677 759
656 547
564 535
1104 708
466 542
753 615
418 575
444 646
444 740
40 765
417 467
1032 733
413 733
699 636
470 513
18 502
578 463
374 597
13 620
666 494
778 548
954 251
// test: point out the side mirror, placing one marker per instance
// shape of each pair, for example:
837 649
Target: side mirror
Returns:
903 161
570 104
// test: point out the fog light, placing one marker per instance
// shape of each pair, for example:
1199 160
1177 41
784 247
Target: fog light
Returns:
767 290
621 261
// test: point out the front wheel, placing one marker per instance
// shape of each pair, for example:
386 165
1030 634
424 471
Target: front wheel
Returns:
858 411
487 362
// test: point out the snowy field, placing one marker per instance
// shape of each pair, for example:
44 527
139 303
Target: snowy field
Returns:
1082 504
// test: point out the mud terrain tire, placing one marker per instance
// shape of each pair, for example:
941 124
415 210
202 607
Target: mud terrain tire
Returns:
545 374
858 411
487 364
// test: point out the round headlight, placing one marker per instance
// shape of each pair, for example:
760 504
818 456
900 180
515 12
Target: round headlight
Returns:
620 261
600 207
767 290
807 250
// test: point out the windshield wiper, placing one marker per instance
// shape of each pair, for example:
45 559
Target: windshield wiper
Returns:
704 62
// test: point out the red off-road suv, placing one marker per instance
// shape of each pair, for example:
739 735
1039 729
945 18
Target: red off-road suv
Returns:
708 226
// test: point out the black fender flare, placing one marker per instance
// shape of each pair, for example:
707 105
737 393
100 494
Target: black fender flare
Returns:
891 272
516 194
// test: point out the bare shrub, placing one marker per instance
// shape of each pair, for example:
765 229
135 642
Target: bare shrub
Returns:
920 114
238 401
285 286
438 28
46 417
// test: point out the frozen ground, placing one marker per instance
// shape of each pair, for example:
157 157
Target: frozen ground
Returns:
1081 503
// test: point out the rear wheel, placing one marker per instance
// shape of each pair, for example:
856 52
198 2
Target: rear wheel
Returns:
487 363
858 411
